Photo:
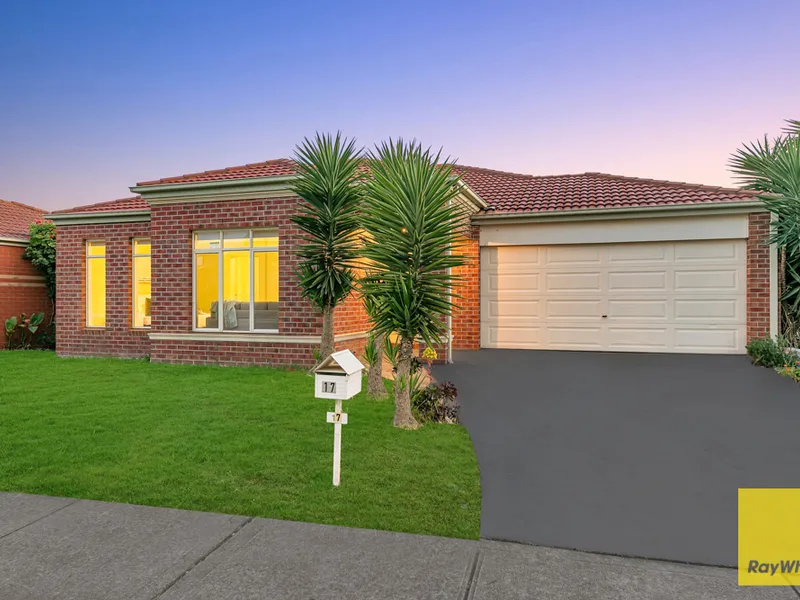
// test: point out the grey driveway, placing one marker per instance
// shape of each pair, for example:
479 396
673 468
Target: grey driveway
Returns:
630 454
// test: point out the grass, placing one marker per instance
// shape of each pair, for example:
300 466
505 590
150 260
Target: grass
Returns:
250 441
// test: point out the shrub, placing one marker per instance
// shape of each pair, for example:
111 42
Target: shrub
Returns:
41 251
437 403
20 331
793 372
771 353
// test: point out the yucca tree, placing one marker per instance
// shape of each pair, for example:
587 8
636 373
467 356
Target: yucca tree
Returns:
773 169
412 224
328 182
374 353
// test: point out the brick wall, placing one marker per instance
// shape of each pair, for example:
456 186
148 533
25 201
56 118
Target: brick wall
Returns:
22 287
758 304
466 318
117 338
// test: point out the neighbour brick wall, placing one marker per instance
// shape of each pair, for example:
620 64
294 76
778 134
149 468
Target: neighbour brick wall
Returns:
466 317
758 303
350 316
22 287
117 338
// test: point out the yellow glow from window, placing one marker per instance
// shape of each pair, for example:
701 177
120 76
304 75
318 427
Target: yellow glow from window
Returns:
207 295
236 276
205 240
263 239
236 239
95 284
265 276
141 246
141 291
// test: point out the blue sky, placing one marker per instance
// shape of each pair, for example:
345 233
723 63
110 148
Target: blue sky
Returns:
97 96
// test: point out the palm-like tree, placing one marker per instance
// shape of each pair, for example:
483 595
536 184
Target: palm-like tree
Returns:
773 169
412 225
328 180
374 353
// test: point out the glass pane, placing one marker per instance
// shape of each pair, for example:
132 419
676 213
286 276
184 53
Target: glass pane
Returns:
95 248
141 246
96 292
265 281
236 291
207 290
206 240
265 239
141 291
236 239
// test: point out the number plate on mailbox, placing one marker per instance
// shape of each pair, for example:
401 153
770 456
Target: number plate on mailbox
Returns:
334 417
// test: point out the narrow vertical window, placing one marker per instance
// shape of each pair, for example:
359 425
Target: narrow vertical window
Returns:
95 284
141 283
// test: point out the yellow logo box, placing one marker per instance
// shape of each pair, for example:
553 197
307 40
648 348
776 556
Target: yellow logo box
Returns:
769 536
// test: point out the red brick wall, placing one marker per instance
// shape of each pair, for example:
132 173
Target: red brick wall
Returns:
22 287
758 304
117 338
350 316
467 318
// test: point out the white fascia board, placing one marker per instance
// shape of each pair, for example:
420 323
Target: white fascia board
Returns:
98 217
197 336
675 210
9 241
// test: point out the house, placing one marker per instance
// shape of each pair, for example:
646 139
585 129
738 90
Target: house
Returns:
200 268
22 286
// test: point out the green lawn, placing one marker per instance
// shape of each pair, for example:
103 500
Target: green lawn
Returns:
250 441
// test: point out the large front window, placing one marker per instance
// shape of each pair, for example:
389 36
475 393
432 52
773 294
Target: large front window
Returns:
236 280
141 283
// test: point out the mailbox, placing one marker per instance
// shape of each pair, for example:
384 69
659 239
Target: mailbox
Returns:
338 377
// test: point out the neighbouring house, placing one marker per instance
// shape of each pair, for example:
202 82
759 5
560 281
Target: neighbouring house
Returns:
22 286
200 268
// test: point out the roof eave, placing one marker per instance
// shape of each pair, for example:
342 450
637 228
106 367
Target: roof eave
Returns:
178 186
13 241
99 217
625 212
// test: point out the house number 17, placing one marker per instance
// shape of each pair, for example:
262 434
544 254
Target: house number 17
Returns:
329 387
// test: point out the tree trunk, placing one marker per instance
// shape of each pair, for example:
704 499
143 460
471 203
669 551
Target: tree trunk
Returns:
326 347
375 386
403 417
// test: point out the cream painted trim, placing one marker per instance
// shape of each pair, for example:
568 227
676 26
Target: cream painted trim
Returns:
6 241
251 337
622 213
774 296
472 195
204 185
94 218
21 284
618 231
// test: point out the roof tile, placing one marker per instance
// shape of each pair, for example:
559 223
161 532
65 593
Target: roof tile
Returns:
16 219
123 204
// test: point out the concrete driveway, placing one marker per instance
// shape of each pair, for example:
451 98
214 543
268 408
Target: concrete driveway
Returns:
630 454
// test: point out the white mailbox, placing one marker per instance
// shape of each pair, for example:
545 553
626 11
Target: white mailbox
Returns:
338 377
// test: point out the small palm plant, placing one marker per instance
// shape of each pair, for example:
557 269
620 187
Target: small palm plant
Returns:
773 169
412 224
328 179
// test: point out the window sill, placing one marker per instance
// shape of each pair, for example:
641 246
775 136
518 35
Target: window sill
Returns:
249 336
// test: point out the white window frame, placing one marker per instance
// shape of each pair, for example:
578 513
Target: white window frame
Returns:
87 287
134 256
270 232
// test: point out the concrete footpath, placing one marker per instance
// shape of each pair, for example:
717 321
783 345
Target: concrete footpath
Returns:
59 548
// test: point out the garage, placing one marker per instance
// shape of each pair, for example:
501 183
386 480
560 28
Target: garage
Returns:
685 296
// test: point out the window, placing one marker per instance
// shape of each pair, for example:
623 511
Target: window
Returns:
236 280
95 284
141 283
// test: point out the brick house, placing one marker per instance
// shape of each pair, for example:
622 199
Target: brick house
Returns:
200 268
22 287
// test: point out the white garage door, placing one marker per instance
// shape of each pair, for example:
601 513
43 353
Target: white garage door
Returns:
634 297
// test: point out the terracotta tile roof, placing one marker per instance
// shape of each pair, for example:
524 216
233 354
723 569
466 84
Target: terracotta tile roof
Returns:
504 192
132 203
16 218
270 168
512 193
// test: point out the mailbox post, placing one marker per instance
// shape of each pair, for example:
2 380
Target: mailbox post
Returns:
338 378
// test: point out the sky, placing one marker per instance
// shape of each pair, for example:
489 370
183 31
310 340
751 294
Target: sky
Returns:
95 96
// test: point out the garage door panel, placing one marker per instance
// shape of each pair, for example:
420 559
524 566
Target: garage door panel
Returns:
710 308
636 339
717 251
637 309
634 254
637 280
574 309
656 297
562 256
707 339
710 279
575 338
559 282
